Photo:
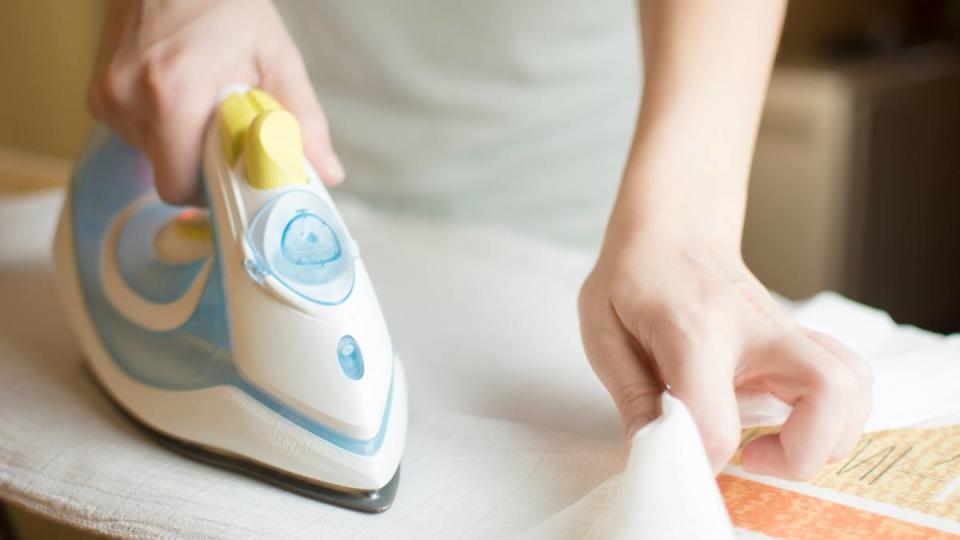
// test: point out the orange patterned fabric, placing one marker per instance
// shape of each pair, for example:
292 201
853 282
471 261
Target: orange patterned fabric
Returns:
789 515
910 468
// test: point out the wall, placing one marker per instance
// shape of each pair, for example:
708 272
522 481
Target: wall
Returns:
47 49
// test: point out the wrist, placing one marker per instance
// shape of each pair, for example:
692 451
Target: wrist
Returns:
684 215
645 245
681 196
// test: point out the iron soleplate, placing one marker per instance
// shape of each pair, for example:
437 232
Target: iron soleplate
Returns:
369 501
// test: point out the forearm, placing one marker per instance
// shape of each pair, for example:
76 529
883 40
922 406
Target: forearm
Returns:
670 303
706 67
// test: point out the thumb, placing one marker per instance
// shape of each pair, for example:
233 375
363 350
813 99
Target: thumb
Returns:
289 84
705 386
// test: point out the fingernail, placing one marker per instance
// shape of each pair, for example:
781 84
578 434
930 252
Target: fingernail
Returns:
335 168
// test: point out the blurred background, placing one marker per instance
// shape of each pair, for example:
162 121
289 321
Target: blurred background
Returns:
856 183
856 180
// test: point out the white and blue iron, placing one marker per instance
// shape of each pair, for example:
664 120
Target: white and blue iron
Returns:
258 343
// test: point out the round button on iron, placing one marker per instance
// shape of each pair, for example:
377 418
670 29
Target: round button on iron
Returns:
350 358
308 239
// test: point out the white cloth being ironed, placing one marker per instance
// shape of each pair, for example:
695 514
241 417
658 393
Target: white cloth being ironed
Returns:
510 434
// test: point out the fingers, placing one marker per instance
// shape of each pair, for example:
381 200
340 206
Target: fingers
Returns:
159 72
819 387
180 106
621 367
153 103
860 406
108 102
698 375
289 84
112 84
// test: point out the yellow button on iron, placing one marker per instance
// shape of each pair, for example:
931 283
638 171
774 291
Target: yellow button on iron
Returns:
193 224
185 238
274 151
263 101
237 112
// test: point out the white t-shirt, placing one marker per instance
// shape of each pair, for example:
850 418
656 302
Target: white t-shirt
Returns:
511 112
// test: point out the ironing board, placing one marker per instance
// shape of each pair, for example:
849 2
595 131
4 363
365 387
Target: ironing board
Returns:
511 434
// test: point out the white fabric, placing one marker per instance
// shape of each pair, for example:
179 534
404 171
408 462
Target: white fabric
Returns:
666 491
511 434
915 371
506 112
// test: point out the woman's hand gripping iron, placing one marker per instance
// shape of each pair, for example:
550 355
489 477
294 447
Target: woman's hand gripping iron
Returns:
262 346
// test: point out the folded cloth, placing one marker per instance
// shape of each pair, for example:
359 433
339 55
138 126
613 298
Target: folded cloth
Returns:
510 433
666 491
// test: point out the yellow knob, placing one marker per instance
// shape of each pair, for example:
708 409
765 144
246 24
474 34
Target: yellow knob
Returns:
193 224
274 151
237 112
255 125
262 100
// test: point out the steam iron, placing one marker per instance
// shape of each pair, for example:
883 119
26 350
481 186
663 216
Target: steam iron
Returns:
248 336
